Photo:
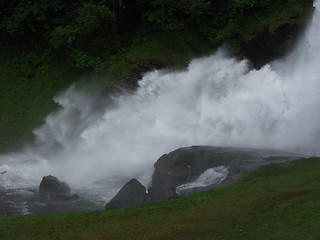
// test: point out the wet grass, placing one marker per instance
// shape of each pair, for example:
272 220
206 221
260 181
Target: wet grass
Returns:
274 202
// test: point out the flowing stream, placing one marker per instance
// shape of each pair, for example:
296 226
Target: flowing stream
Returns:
96 146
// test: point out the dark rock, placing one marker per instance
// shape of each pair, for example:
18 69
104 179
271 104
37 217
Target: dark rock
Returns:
176 172
132 193
75 197
139 68
52 189
161 193
270 45
185 165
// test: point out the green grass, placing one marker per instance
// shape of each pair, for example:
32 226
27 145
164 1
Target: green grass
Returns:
274 202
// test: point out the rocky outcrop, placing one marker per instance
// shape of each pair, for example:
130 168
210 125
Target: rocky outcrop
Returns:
278 36
268 46
162 192
52 189
186 165
194 169
132 193
139 68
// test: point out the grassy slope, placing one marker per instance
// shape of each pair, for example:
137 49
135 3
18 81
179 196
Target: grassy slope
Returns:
275 202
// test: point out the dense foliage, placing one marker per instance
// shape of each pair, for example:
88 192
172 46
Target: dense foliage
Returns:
82 30
89 32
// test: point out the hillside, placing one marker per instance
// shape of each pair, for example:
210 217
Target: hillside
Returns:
279 201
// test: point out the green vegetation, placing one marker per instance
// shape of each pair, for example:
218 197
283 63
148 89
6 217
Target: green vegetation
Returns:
91 33
279 201
27 87
46 45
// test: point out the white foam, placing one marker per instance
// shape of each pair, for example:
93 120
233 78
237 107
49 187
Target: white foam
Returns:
209 177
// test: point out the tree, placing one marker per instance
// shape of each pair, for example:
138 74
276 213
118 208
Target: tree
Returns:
178 15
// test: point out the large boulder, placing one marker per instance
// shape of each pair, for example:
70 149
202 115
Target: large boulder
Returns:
269 45
196 168
161 192
132 193
52 189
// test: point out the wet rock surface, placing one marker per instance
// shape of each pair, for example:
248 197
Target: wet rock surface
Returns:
194 169
181 172
139 68
160 193
132 193
185 165
52 189
270 45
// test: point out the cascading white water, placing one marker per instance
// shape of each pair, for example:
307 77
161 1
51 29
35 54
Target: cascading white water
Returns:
210 176
218 100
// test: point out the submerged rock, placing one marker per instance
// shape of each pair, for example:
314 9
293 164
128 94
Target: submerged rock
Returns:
52 189
132 193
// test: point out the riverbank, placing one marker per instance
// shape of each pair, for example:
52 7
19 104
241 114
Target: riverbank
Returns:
278 201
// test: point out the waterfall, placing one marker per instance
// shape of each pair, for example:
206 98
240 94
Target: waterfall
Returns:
217 100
